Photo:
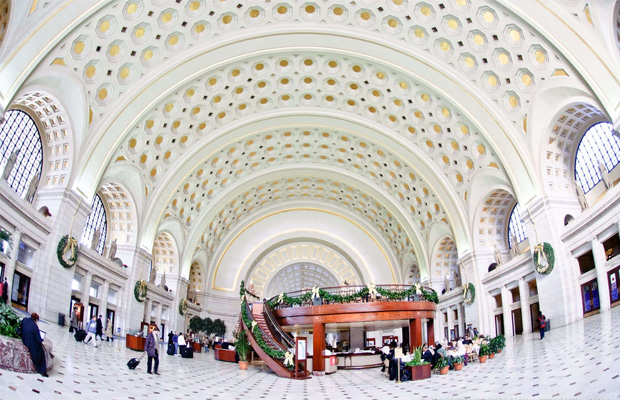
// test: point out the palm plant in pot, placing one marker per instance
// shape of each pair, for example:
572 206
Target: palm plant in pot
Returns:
501 342
242 346
493 347
419 368
458 363
483 353
443 365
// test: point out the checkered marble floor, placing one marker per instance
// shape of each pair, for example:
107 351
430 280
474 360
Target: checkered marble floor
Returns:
580 360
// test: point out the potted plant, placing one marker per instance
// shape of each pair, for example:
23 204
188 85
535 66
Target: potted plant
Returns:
483 353
493 347
242 346
501 342
458 363
419 368
443 365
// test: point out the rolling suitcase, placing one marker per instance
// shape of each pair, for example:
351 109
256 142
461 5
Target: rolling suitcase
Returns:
134 362
80 335
187 352
170 350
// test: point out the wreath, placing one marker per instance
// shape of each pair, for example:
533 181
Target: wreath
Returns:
183 306
544 258
139 290
469 293
68 244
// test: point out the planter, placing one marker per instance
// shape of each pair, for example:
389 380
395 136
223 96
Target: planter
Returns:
420 372
482 359
444 370
243 365
458 367
492 356
499 351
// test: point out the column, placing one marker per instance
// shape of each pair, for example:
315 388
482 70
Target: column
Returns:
318 346
506 301
160 309
598 251
86 282
9 268
450 322
430 331
459 315
103 304
148 308
415 332
526 316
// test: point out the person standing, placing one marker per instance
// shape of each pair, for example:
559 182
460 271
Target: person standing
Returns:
542 324
175 340
108 331
31 337
150 346
170 336
181 341
99 330
92 330
5 291
73 325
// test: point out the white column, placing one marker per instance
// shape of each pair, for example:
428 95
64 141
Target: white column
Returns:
103 304
598 252
149 308
86 282
450 322
9 268
506 301
160 310
438 325
524 293
459 315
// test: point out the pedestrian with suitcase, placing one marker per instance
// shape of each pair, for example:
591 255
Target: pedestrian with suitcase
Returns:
92 329
150 347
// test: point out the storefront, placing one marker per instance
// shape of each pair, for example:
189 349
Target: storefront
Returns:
20 290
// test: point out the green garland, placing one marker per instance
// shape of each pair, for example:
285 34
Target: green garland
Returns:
337 298
548 251
256 332
139 290
182 306
469 293
60 252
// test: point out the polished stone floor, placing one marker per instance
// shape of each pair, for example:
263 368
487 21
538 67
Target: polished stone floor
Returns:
580 360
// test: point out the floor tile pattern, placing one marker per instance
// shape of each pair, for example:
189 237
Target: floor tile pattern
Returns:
581 360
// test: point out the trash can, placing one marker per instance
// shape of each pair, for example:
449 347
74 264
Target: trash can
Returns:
61 319
547 325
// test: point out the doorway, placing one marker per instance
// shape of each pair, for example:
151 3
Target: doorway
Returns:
499 324
534 308
517 322
110 314
93 309
20 291
589 298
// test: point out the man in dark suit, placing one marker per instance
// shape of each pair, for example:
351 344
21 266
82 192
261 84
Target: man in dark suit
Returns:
5 291
31 337
99 328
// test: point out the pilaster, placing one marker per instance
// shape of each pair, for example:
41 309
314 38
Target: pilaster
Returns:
507 315
598 252
524 293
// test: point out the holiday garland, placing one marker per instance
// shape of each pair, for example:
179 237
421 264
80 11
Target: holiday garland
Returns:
542 251
337 298
469 293
256 332
139 290
67 243
183 306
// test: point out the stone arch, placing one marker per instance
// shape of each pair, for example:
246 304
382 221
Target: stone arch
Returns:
300 276
491 222
122 216
443 263
316 252
197 278
568 219
165 254
411 269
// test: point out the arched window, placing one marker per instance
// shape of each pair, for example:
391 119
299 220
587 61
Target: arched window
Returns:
598 143
96 221
19 133
516 226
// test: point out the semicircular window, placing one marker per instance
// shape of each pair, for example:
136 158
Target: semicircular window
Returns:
96 223
300 276
516 227
19 135
597 144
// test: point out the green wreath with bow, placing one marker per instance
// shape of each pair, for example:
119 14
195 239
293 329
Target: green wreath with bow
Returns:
183 306
544 258
67 251
139 290
469 293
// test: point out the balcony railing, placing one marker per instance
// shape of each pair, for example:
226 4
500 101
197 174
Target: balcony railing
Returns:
353 294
